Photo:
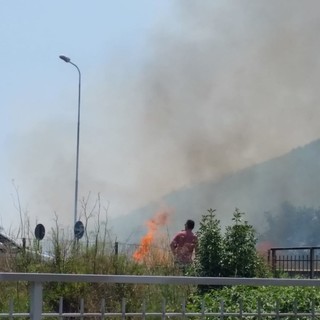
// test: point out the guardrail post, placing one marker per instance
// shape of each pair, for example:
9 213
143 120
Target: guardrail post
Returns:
36 301
116 248
273 261
311 263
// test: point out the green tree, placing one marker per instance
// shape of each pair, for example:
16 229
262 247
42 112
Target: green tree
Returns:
233 254
290 226
209 253
240 255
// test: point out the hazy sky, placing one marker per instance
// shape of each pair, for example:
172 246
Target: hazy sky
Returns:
173 93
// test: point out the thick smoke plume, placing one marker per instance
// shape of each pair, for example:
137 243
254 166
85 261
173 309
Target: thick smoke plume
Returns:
223 85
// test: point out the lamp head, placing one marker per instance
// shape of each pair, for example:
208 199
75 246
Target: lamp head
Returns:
65 59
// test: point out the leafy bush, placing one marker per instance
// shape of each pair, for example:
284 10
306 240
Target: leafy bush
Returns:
240 255
209 253
231 254
251 299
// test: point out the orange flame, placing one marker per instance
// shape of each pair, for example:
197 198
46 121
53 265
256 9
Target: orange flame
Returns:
160 219
263 248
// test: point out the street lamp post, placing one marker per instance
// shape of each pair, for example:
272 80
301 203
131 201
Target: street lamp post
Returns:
68 60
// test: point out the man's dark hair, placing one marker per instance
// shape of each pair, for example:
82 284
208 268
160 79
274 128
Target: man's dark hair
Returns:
190 224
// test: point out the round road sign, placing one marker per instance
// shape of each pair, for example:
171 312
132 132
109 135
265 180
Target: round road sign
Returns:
78 230
39 231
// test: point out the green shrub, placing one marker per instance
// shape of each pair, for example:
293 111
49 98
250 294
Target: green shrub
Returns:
209 252
251 299
233 254
240 255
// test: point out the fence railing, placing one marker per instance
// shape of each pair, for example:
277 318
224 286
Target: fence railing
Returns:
37 280
295 261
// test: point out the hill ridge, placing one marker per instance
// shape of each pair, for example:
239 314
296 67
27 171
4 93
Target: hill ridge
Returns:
293 177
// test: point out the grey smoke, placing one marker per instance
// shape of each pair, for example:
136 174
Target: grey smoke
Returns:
224 85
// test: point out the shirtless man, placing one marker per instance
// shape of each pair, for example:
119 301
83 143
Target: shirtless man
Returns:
183 244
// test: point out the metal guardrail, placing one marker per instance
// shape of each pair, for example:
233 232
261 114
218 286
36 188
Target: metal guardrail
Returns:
37 280
295 261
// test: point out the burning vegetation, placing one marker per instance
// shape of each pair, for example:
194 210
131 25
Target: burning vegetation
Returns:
153 245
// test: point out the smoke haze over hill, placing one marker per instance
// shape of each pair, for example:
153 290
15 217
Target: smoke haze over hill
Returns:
220 86
274 196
